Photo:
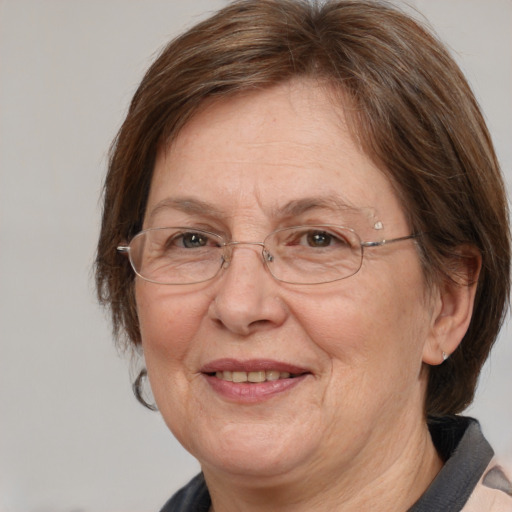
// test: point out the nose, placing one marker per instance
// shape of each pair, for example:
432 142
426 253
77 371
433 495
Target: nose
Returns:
247 297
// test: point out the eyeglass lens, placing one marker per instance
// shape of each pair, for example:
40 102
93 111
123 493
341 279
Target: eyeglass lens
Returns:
302 255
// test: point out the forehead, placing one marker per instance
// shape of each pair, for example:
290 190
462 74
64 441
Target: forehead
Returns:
263 150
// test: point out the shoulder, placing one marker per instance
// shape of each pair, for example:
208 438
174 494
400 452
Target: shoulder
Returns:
194 497
471 479
493 492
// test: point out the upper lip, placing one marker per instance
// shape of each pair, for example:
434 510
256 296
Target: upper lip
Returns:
251 365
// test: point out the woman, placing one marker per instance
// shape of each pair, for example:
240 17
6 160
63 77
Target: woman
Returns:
318 237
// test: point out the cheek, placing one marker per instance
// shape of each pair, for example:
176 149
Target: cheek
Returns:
168 322
375 343
370 323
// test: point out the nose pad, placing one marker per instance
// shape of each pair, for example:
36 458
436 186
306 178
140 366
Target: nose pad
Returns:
225 262
267 256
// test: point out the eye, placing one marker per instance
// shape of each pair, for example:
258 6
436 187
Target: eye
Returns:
172 239
192 240
321 239
318 239
315 237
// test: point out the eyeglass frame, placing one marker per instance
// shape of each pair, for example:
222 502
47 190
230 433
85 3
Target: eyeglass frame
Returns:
125 249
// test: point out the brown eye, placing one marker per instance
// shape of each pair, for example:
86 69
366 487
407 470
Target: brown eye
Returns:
319 239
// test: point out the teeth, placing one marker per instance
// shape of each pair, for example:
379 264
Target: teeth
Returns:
273 375
256 377
225 376
259 376
239 376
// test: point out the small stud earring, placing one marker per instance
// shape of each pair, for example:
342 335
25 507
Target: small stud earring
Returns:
445 356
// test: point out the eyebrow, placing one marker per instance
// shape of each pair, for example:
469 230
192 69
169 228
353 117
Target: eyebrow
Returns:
298 207
293 208
186 205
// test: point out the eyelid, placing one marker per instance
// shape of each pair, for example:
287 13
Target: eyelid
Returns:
363 219
190 227
210 229
331 232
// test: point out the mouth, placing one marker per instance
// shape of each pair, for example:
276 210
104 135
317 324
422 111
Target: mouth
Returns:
253 380
253 377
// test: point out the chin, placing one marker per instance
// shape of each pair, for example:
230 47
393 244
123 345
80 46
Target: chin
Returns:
253 452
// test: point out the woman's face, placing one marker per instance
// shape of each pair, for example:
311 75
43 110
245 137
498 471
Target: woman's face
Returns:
244 167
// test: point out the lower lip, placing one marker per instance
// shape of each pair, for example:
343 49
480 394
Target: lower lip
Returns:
252 392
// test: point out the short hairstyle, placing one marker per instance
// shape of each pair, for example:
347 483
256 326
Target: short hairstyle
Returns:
411 110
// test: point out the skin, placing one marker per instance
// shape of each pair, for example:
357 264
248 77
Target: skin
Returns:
351 435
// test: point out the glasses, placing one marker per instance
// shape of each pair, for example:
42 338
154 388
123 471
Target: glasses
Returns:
295 255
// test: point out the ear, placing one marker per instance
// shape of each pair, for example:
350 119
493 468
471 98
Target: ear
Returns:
452 305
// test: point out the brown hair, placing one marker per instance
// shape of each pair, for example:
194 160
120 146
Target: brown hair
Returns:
413 113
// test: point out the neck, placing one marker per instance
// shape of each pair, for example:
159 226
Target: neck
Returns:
387 480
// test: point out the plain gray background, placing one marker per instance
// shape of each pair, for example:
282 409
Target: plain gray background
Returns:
72 437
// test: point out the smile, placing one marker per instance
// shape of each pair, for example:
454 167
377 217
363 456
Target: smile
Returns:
252 381
253 377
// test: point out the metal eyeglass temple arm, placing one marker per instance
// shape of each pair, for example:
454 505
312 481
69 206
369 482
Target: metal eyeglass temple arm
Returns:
390 240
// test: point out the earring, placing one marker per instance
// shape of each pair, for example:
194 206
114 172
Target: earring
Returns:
445 356
139 392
